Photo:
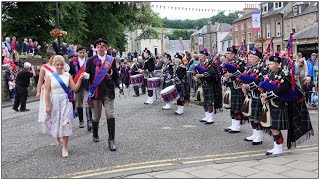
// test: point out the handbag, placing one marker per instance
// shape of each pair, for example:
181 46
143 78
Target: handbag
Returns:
227 99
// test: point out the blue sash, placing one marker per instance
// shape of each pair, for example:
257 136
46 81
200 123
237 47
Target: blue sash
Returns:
65 88
103 71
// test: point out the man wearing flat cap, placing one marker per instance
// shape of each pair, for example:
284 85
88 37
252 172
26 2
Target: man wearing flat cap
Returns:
104 76
22 84
237 96
251 79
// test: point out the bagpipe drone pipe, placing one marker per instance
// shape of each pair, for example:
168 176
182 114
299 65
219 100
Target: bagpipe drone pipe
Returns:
294 94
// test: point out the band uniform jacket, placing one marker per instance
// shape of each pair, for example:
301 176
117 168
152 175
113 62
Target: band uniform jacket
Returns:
72 71
148 65
106 87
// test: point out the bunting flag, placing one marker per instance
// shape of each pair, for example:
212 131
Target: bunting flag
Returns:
289 47
270 46
140 4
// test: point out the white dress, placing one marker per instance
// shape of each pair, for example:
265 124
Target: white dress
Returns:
59 124
42 106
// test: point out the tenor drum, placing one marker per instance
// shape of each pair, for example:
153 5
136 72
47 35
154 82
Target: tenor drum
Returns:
136 79
169 94
154 83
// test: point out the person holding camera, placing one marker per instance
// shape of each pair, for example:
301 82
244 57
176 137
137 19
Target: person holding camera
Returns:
22 84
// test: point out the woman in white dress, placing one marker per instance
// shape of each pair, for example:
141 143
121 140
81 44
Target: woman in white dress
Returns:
59 110
44 73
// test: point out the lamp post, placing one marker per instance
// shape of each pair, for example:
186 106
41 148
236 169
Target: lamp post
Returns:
58 24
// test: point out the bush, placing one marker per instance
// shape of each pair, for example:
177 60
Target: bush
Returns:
29 56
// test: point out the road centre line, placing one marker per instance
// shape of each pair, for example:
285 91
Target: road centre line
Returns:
186 162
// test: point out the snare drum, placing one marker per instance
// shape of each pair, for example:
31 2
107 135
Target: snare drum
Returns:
136 79
154 83
169 94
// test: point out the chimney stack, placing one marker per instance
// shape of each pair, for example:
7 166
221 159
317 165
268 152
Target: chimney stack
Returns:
249 8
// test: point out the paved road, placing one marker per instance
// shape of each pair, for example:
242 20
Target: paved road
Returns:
143 134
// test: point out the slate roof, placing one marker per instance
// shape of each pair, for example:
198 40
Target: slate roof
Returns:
175 45
228 37
218 27
308 33
313 7
271 10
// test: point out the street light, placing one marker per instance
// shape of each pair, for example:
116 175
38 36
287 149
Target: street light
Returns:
58 24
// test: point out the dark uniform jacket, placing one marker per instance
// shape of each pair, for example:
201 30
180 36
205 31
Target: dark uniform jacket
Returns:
106 87
72 71
149 64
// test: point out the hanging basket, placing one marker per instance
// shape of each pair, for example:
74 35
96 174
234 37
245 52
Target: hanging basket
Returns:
58 33
262 40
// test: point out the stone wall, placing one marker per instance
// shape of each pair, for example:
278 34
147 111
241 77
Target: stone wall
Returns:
5 92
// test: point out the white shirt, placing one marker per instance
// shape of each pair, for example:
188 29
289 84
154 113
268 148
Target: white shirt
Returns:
102 58
81 61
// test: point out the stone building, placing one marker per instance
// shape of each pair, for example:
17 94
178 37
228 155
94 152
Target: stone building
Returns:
302 21
225 43
211 36
242 28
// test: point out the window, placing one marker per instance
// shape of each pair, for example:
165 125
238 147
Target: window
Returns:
242 38
296 10
265 8
268 31
278 29
237 40
249 38
259 34
249 24
229 43
222 46
236 27
277 5
278 48
242 26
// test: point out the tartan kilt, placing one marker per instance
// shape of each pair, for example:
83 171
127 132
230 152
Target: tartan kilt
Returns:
237 99
217 89
208 92
256 109
279 117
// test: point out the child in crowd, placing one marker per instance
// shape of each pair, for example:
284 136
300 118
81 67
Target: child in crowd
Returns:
12 86
307 89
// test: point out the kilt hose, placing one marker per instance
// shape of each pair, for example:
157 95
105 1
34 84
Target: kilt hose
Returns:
208 92
256 108
300 128
237 98
279 116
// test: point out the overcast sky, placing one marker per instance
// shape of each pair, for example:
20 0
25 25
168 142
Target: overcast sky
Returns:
193 15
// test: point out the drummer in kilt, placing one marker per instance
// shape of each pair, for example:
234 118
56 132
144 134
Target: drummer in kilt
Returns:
180 81
288 109
147 71
207 86
235 68
251 79
167 74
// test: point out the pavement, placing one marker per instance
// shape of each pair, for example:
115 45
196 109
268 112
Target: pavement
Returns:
296 164
300 162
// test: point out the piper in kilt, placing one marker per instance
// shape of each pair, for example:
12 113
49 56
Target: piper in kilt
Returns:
81 95
167 74
180 81
251 79
217 85
235 68
205 71
287 106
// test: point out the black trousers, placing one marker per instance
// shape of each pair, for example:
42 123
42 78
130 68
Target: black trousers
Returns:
21 97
